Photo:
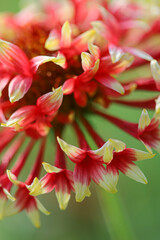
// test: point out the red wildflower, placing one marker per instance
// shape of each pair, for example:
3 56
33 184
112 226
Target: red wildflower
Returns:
89 164
24 201
80 57
147 131
58 178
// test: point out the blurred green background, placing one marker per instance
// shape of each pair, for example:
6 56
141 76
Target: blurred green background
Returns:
132 214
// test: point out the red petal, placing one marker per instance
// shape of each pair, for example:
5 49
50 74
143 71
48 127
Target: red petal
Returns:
18 87
14 58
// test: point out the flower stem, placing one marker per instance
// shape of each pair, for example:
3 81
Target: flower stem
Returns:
115 216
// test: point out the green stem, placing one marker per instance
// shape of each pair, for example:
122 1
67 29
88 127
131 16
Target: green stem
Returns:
115 216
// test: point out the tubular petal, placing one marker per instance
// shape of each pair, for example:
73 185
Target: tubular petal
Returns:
9 196
53 41
35 188
63 199
87 61
14 58
50 102
144 120
82 191
33 215
51 169
42 208
18 87
109 182
155 68
74 153
110 82
66 32
12 178
39 60
135 173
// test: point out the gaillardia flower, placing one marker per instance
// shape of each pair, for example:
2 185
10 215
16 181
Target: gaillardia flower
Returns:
61 62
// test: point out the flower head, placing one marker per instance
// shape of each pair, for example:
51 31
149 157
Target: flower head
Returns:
58 178
77 60
23 200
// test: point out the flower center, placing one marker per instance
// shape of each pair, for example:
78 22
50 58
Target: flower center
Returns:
49 75
31 40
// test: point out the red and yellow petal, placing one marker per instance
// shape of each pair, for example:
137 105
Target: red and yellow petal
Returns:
66 35
33 214
64 185
32 211
21 118
63 199
81 42
68 86
110 83
134 172
18 87
74 153
107 150
81 182
144 120
4 196
53 41
107 179
155 68
50 102
39 60
3 83
14 58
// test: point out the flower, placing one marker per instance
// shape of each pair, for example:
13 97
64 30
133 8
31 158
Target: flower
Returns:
24 201
57 177
59 63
